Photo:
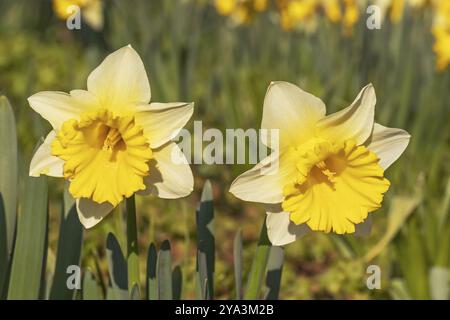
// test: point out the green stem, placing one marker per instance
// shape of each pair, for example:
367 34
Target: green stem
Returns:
259 266
132 244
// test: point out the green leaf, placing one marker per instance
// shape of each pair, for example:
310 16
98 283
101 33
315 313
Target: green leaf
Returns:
8 186
177 283
401 208
117 267
398 290
202 277
238 264
132 244
343 245
205 234
412 260
152 282
259 265
69 248
91 290
29 252
165 272
274 271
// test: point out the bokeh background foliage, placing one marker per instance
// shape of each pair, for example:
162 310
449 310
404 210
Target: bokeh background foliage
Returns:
193 53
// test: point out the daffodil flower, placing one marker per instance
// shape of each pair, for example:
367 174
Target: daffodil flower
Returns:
109 141
328 174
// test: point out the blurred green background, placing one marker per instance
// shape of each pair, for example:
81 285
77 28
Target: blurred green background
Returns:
224 61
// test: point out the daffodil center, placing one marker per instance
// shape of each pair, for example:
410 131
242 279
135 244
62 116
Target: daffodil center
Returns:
112 138
336 185
106 156
318 160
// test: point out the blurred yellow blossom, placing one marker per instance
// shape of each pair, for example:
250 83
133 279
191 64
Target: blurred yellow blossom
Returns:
260 5
396 12
332 10
292 12
418 3
225 7
441 33
351 14
240 11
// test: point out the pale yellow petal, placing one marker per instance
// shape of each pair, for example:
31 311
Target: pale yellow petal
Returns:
280 229
44 163
264 182
90 213
170 175
291 110
162 122
387 143
120 81
354 122
58 107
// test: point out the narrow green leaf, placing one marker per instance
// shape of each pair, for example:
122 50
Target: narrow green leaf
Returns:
398 290
205 234
30 246
43 283
343 245
165 272
412 260
152 284
69 249
91 290
48 284
238 264
202 277
445 206
401 208
117 266
274 271
177 283
259 265
132 244
8 186
98 271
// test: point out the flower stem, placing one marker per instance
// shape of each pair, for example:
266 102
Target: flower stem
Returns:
132 244
259 266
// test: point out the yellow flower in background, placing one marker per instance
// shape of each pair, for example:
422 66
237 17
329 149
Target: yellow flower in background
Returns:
225 7
91 11
109 141
241 11
397 8
297 13
351 14
260 5
441 33
329 172
332 10
418 3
